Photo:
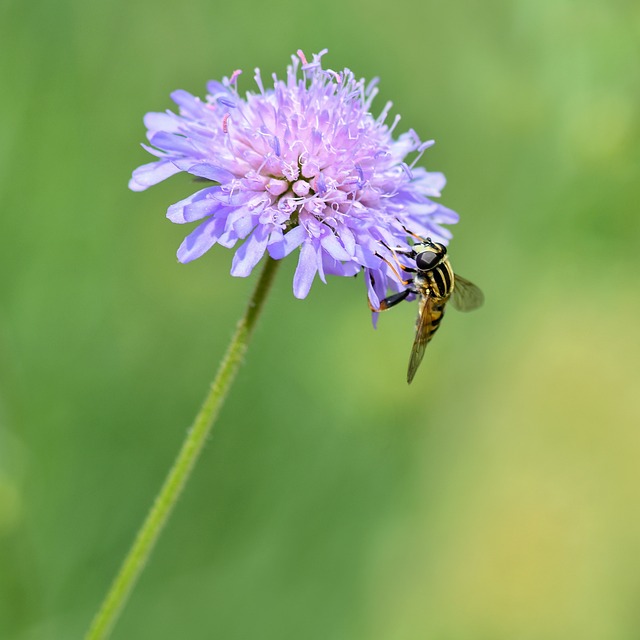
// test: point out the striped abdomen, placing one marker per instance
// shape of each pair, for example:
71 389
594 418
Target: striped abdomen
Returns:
433 319
437 285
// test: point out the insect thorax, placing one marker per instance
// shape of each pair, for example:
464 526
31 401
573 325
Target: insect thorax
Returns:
439 280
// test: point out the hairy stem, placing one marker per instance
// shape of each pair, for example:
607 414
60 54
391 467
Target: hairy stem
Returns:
179 473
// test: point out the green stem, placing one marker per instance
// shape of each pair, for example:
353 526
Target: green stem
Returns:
166 499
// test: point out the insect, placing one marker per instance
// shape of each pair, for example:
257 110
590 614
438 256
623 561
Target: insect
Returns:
434 282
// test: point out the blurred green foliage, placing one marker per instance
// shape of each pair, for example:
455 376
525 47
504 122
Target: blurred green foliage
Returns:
497 497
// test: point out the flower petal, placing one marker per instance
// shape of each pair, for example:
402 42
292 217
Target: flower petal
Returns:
172 142
244 225
366 256
162 122
200 240
348 239
305 271
249 254
240 221
319 263
189 104
204 170
187 210
214 88
149 174
332 246
373 287
334 267
428 183
287 243
158 153
228 239
444 215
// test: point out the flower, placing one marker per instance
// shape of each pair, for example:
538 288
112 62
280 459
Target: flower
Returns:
301 165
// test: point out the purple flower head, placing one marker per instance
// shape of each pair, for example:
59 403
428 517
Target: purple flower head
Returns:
303 165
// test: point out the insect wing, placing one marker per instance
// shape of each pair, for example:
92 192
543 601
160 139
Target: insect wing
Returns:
423 331
466 296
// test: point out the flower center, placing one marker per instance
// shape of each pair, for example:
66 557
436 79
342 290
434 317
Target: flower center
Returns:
295 185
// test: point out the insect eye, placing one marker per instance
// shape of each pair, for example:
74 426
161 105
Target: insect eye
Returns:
427 260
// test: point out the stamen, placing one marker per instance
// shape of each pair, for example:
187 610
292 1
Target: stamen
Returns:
425 145
407 170
258 80
395 123
290 171
384 113
302 56
372 84
234 76
369 97
227 102
415 137
225 120
421 149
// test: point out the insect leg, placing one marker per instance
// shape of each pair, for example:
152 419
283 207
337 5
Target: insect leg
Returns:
413 235
392 267
404 252
393 300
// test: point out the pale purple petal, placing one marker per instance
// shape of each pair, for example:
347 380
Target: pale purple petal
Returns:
149 174
158 153
184 211
443 215
366 256
228 239
249 254
172 142
162 122
333 267
214 88
319 262
205 170
348 239
200 240
240 221
305 271
290 241
428 183
189 104
244 225
332 246
372 285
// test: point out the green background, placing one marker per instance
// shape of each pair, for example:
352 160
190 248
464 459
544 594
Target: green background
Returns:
497 497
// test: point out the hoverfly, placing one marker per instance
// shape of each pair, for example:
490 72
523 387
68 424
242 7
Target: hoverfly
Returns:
434 282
